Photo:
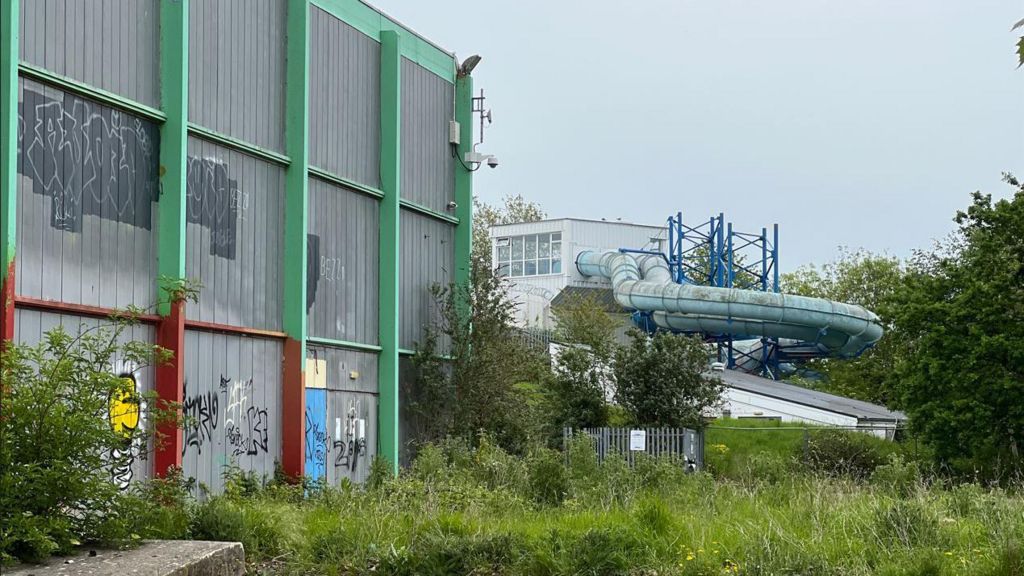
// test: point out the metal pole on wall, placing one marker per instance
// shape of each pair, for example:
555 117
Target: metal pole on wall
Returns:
390 179
9 27
293 393
170 331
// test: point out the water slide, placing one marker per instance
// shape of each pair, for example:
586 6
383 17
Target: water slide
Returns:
643 282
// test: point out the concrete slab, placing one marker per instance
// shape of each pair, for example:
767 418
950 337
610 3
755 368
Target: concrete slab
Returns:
155 558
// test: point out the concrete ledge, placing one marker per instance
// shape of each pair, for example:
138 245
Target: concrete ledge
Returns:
154 558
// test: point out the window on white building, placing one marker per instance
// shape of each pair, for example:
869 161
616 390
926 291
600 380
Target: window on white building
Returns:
529 255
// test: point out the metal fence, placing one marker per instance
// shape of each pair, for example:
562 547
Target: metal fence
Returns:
678 443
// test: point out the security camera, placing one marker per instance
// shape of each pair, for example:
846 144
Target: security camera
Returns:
452 205
492 161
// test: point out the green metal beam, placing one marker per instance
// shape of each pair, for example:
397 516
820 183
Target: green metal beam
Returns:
332 178
372 23
343 344
173 140
9 20
390 158
463 180
240 145
416 207
293 396
296 181
95 94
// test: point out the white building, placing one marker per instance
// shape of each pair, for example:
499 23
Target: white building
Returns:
752 397
539 258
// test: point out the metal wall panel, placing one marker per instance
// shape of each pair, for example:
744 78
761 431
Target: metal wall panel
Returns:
344 369
428 169
343 264
427 258
31 327
109 44
334 449
344 100
87 193
234 240
232 404
237 68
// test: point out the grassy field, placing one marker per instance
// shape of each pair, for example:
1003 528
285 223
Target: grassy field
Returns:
484 512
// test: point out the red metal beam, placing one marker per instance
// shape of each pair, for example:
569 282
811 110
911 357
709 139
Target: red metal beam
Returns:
213 327
76 309
170 385
293 410
7 305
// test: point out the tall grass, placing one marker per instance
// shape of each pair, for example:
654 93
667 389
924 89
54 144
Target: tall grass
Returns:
461 511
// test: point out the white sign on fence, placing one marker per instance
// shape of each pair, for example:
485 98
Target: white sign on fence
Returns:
638 440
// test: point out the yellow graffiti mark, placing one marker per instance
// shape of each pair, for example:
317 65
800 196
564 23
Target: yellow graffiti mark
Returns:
124 408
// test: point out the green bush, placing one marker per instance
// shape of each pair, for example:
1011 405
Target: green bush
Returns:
73 422
898 476
549 480
843 453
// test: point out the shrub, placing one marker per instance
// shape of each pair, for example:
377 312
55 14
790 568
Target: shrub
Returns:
842 453
548 478
900 477
906 523
73 423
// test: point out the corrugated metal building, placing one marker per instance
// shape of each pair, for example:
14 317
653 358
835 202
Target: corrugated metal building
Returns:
291 155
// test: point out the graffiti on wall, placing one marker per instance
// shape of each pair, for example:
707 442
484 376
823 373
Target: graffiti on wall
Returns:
215 202
349 449
88 159
126 414
245 424
316 441
200 412
225 415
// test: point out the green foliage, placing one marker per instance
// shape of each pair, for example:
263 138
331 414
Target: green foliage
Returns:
844 453
869 280
549 480
1020 45
578 395
471 364
961 315
514 209
73 422
661 380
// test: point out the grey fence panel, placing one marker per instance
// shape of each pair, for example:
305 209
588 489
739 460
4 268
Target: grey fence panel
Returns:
109 44
348 455
87 201
343 266
344 100
237 68
345 370
232 406
31 327
676 443
234 236
427 259
427 165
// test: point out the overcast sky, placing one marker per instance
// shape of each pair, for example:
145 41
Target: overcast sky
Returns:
864 123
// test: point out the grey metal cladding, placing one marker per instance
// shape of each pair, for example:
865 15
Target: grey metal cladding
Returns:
427 166
347 370
234 236
427 259
343 264
237 69
87 201
232 405
347 456
108 44
344 100
31 327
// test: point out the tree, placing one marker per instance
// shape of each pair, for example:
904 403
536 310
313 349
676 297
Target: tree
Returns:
472 365
663 381
73 424
515 209
962 314
1020 44
869 280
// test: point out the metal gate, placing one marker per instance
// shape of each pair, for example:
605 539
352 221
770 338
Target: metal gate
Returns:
677 443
